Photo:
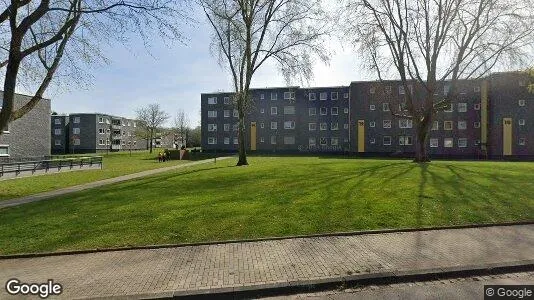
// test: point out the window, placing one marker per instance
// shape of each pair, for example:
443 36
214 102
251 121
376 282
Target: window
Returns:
477 106
346 110
274 110
236 141
447 125
462 125
449 108
289 125
323 141
312 111
446 89
385 106
101 142
226 141
345 126
4 150
334 111
212 100
434 143
388 89
323 111
262 140
405 123
212 127
289 140
262 110
101 131
522 142
401 90
521 122
477 142
289 110
462 107
236 113
462 142
476 124
334 126
76 130
311 96
403 107
386 123
289 95
372 90
448 143
346 95
521 102
334 141
386 140
312 141
312 126
274 96
262 96
76 142
333 95
274 125
323 126
212 141
57 142
405 140
234 127
226 113
372 107
372 124
273 139
322 96
262 125
76 120
57 131
107 142
476 89
435 125
212 114
57 121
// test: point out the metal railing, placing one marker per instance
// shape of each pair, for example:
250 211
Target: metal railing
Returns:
37 165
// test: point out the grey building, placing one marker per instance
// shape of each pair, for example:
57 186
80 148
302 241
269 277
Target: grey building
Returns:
488 117
28 136
95 132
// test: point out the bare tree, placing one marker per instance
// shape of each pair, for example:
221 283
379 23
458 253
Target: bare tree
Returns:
181 124
432 43
151 118
247 33
36 36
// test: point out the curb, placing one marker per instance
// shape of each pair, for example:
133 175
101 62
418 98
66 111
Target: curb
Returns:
350 233
315 285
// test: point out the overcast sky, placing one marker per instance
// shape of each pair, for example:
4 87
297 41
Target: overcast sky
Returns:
175 75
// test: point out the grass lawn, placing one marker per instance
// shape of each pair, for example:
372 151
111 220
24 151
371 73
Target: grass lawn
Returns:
115 164
274 196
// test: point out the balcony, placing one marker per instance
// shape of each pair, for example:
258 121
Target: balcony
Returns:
116 147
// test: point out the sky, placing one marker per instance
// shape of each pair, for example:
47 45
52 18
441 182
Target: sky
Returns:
175 75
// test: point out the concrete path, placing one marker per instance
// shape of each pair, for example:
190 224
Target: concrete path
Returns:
81 187
250 265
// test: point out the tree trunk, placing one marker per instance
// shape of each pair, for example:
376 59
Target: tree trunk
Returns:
10 83
421 141
241 136
151 138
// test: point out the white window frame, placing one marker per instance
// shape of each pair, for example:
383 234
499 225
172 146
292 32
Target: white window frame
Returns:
462 143
346 95
312 111
262 110
334 141
386 124
226 113
445 127
372 107
385 106
476 124
462 107
346 110
57 131
401 90
434 143
323 96
476 106
403 140
289 110
76 130
321 139
212 114
435 125
521 122
262 125
274 110
236 113
323 109
76 120
289 125
57 121
226 141
334 111
462 125
312 126
522 141
274 96
212 140
333 95
409 123
311 97
334 126
273 139
289 95
372 124
521 102
323 126
384 140
262 96
445 142
289 140
212 100
7 150
274 125
57 142
212 127
76 142
236 141
312 141
450 108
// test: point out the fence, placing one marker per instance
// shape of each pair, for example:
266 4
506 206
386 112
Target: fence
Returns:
51 164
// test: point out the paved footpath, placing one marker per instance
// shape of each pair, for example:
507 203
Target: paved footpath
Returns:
192 269
81 187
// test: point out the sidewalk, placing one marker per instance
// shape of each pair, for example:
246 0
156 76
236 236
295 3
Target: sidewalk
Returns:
229 267
81 187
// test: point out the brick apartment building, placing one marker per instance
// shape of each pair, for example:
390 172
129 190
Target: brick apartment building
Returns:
27 137
488 118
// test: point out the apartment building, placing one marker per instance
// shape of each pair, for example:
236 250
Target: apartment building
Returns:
488 117
94 132
27 137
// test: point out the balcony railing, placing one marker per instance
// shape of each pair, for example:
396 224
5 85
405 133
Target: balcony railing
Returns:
33 166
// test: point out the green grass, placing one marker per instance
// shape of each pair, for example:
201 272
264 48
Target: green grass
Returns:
115 164
274 196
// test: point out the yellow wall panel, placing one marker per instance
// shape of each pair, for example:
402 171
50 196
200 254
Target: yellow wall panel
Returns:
507 136
253 136
361 136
